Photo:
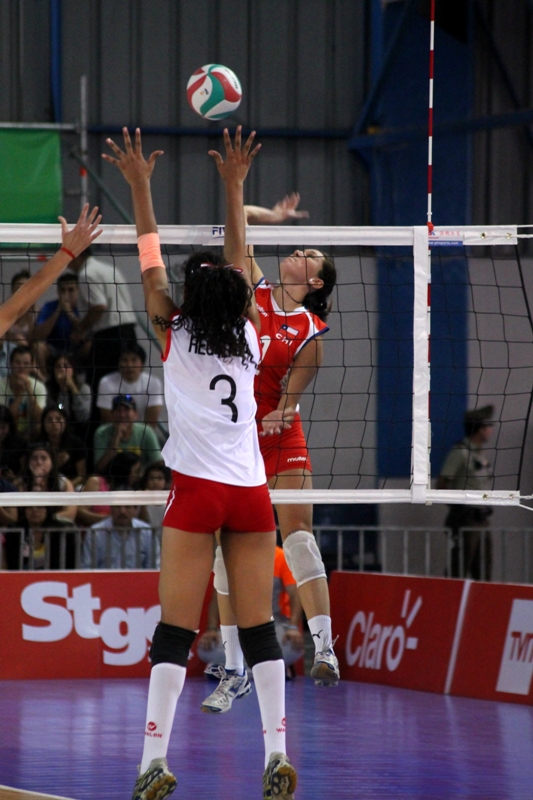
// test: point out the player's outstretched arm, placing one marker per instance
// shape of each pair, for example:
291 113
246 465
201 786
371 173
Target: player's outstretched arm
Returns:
283 211
74 242
233 171
137 171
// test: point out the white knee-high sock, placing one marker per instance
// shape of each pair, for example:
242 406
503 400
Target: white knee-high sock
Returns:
166 684
232 648
269 679
320 627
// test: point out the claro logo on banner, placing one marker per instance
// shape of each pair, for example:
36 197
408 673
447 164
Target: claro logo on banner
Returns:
373 645
125 632
392 628
516 668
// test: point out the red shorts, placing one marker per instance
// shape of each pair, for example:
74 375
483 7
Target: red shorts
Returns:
285 451
198 505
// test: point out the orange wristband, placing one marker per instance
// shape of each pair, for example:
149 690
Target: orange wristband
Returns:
150 251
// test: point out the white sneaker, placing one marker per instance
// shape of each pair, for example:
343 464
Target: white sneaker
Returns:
231 687
156 783
279 778
325 669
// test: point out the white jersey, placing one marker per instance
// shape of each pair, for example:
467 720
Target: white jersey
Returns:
211 412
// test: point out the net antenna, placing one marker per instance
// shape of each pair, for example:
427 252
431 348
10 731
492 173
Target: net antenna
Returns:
341 472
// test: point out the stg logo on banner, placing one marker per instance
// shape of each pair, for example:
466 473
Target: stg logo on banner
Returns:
125 632
80 624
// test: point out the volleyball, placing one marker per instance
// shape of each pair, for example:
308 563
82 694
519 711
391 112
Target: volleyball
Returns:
214 91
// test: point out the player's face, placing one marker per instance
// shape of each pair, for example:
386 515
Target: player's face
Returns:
40 463
130 367
301 267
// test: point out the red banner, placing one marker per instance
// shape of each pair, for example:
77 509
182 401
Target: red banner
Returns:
495 655
80 624
394 629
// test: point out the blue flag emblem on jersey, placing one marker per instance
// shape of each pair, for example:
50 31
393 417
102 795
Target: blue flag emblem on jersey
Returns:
289 331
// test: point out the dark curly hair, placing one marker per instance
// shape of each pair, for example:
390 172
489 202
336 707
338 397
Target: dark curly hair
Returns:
317 300
215 300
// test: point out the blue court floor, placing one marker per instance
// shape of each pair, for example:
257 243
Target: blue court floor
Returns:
83 740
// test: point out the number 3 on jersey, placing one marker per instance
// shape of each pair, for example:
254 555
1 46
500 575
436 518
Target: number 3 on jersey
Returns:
227 401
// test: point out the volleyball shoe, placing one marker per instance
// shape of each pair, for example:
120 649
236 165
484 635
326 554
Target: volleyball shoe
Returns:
325 669
156 783
279 778
231 687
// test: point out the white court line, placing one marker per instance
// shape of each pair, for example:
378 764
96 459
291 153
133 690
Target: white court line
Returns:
8 793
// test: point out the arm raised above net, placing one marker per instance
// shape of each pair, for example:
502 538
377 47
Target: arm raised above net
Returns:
282 211
233 171
137 171
74 242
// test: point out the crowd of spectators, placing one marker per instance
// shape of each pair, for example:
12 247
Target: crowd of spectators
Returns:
79 411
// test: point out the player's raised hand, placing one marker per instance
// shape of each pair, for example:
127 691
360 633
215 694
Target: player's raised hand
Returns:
238 156
83 233
284 210
131 162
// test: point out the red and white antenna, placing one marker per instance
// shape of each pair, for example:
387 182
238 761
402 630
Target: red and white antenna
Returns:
430 114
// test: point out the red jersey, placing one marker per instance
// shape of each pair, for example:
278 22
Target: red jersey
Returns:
283 335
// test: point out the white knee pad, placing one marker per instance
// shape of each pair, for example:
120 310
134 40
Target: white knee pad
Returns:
303 557
221 576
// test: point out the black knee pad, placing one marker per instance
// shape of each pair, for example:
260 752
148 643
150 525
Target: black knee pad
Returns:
260 644
171 645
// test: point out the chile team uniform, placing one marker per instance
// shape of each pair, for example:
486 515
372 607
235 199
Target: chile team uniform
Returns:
219 479
283 335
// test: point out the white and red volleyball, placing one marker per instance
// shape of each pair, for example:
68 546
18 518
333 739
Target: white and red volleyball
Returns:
214 91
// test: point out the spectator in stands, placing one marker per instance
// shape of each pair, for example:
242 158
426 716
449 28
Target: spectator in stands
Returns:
467 467
287 613
121 541
6 348
8 515
124 433
24 329
59 319
157 478
69 450
146 389
123 470
66 390
23 394
108 316
41 475
39 546
13 446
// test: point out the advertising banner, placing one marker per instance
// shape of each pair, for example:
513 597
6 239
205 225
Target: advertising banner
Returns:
394 629
80 624
495 655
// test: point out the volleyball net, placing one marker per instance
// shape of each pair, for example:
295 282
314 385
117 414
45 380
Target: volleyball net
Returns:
422 328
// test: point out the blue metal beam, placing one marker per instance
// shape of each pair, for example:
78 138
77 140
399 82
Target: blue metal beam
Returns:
55 60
